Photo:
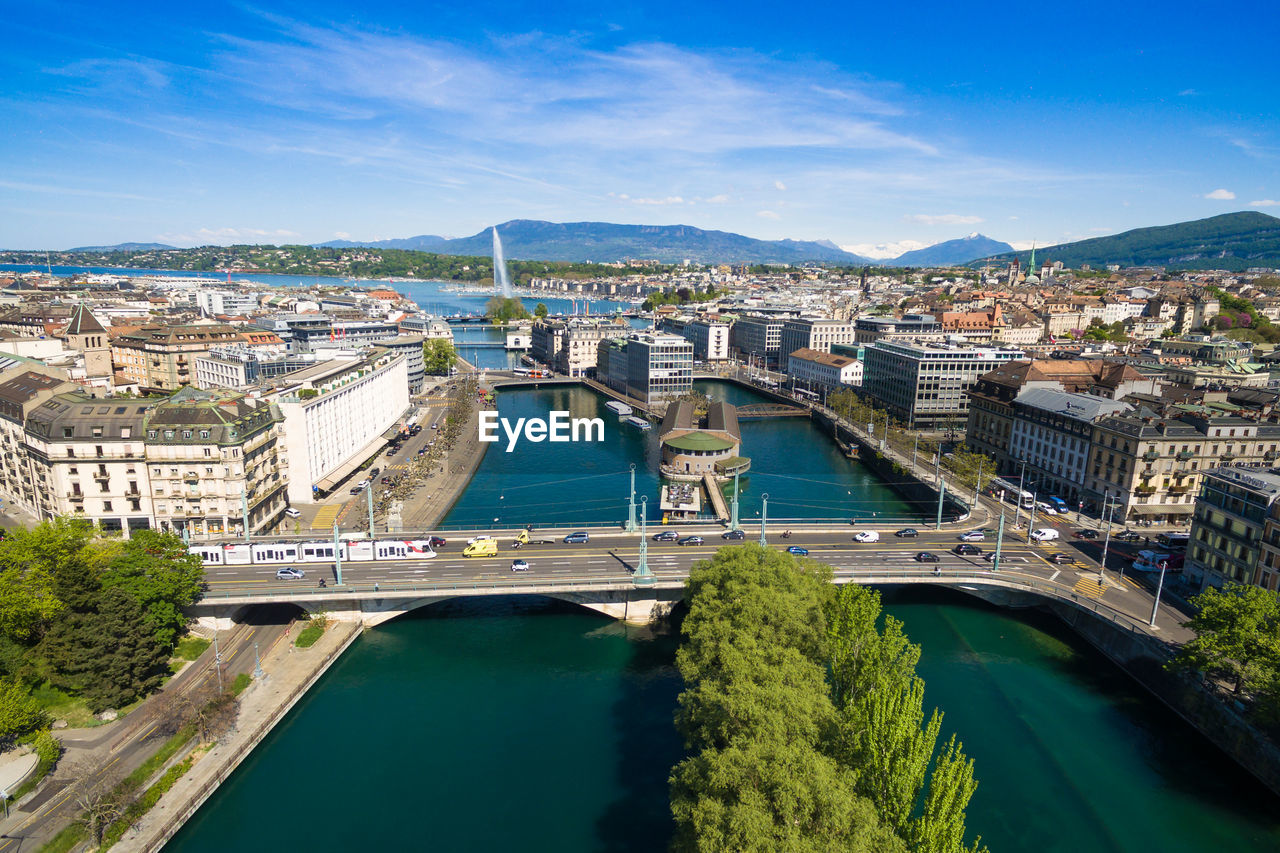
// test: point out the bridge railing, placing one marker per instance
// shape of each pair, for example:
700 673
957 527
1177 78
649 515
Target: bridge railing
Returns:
534 586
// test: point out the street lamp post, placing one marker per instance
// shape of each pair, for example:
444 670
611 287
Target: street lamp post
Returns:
1017 505
337 554
733 522
1031 520
995 562
942 493
914 449
631 504
369 496
217 657
1155 606
977 486
1106 539
642 576
764 517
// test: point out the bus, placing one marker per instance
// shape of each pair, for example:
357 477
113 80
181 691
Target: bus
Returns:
1150 561
1173 541
805 394
1005 490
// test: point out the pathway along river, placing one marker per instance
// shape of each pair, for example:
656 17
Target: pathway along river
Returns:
525 724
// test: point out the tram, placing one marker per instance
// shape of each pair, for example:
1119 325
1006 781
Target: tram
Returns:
269 553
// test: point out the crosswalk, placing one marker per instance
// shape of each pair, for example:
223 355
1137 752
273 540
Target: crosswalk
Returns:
1089 585
325 518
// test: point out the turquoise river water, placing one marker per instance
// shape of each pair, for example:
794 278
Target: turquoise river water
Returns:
524 724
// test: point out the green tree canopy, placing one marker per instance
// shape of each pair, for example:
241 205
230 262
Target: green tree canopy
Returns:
1237 635
501 309
160 575
19 713
540 310
438 356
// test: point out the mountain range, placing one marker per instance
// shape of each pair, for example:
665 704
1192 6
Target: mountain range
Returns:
1231 241
125 247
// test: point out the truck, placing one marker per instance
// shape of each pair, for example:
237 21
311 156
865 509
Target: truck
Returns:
525 539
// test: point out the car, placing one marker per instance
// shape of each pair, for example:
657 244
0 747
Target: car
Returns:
1044 534
519 566
291 512
666 536
421 450
355 490
965 549
907 533
391 451
866 536
435 426
1086 534
1047 509
579 537
734 534
690 540
973 536
373 472
290 574
364 484
435 541
1127 536
1060 558
797 550
926 557
474 539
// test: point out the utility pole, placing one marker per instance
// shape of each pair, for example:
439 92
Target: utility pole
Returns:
977 486
1017 504
642 576
995 563
915 449
337 554
1106 540
631 504
764 517
369 494
1155 606
244 512
1031 521
733 522
217 656
942 493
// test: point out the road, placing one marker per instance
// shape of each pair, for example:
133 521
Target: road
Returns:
112 751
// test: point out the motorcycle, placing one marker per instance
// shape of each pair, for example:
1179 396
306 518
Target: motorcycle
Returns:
786 534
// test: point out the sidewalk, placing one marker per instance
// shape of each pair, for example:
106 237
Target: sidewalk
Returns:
290 672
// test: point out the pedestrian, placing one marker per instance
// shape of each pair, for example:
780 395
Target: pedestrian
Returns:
375 586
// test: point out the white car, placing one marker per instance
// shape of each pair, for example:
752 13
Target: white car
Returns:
1044 534
519 566
474 539
973 536
866 536
1047 509
292 513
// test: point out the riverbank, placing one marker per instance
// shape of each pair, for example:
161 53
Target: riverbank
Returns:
289 673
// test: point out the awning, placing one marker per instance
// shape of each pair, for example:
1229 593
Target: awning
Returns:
1157 509
344 470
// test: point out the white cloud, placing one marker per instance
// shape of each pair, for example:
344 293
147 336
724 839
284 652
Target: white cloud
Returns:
767 214
671 199
877 251
1022 245
1220 195
943 219
779 185
222 236
717 199
1187 93
1265 202
341 235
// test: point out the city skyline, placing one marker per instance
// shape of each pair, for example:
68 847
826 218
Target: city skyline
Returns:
300 124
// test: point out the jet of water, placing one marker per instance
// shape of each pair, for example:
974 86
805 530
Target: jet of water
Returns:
500 276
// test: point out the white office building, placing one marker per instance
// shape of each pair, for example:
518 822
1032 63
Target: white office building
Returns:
811 369
926 385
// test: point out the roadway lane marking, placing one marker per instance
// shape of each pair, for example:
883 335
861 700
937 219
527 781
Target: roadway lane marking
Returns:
560 571
451 575
1054 576
562 562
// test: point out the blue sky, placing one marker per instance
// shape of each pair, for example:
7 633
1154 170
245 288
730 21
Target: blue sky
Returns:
902 124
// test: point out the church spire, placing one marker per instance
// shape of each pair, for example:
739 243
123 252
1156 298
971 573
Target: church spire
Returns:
1031 266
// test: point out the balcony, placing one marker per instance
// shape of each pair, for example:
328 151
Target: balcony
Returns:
1271 455
1151 456
1228 456
1148 472
1179 488
1184 455
1144 490
76 497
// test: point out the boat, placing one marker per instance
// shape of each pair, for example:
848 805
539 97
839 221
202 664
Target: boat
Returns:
622 410
639 423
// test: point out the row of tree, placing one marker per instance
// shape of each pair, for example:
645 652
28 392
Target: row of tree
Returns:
804 719
93 617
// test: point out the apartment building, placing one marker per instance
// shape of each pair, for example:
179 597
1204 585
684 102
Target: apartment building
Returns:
821 370
1235 530
927 386
917 328
1052 437
162 358
710 338
1152 463
989 428
214 463
226 303
21 392
87 458
1208 350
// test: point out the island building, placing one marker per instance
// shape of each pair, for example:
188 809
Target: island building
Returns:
693 449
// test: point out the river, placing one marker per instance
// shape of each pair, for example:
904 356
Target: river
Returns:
524 724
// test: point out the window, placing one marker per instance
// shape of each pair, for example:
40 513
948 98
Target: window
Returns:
68 432
151 434
97 432
126 432
106 506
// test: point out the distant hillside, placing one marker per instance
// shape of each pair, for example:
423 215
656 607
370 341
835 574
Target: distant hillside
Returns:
421 243
124 247
1232 241
578 242
951 253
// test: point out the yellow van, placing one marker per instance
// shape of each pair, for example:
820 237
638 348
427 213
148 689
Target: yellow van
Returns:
482 548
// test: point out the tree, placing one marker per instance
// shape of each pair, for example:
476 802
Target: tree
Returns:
540 310
19 713
1237 635
30 562
438 356
158 572
501 309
